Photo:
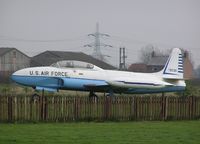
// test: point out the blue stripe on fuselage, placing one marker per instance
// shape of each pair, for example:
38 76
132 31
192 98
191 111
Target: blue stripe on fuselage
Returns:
54 82
80 83
36 81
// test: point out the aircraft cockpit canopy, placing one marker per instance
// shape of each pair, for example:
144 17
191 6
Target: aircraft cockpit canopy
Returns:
74 64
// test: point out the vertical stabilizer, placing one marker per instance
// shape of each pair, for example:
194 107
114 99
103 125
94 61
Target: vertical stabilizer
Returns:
174 67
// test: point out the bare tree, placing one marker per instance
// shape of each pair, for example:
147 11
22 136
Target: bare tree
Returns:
146 53
149 51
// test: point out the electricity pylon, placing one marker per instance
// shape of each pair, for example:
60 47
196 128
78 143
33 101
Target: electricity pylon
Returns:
98 44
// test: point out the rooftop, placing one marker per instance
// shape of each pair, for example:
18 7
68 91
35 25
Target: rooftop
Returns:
158 60
4 50
49 57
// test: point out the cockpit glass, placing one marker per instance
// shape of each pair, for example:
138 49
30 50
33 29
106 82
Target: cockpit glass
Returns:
73 64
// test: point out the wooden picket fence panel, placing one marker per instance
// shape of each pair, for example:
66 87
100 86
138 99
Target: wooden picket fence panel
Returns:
119 108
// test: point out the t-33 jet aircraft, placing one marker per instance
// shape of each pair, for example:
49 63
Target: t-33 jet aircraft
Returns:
81 76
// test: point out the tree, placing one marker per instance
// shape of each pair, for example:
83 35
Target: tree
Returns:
146 53
197 72
149 51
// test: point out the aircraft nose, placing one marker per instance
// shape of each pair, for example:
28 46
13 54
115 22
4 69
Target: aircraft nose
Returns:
15 76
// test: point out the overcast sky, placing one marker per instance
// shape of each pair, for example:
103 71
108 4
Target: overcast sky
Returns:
34 26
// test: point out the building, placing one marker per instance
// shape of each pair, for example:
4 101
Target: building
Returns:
138 67
49 57
11 60
188 67
157 63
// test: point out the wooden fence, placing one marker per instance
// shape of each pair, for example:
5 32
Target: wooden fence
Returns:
122 108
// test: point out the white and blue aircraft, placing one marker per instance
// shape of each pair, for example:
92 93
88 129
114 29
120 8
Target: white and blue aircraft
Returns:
81 76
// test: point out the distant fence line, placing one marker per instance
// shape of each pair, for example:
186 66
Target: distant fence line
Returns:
119 108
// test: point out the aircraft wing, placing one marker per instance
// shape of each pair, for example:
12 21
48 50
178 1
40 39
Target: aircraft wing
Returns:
40 88
49 84
98 87
105 87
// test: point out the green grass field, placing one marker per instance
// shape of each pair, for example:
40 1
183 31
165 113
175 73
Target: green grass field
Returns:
177 132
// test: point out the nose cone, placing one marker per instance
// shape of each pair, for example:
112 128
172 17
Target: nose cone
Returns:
18 76
15 76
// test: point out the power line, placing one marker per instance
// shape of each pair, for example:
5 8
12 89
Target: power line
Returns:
42 41
135 41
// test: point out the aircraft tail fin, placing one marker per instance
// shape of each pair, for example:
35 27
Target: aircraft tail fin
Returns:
174 66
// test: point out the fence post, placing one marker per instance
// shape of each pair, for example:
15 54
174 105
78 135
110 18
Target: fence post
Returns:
41 108
45 107
192 107
166 108
76 107
131 102
150 108
136 107
9 108
31 101
1 108
106 107
163 107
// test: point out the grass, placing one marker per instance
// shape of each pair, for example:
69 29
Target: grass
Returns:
177 132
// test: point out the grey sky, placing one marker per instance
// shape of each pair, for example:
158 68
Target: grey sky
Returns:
64 25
